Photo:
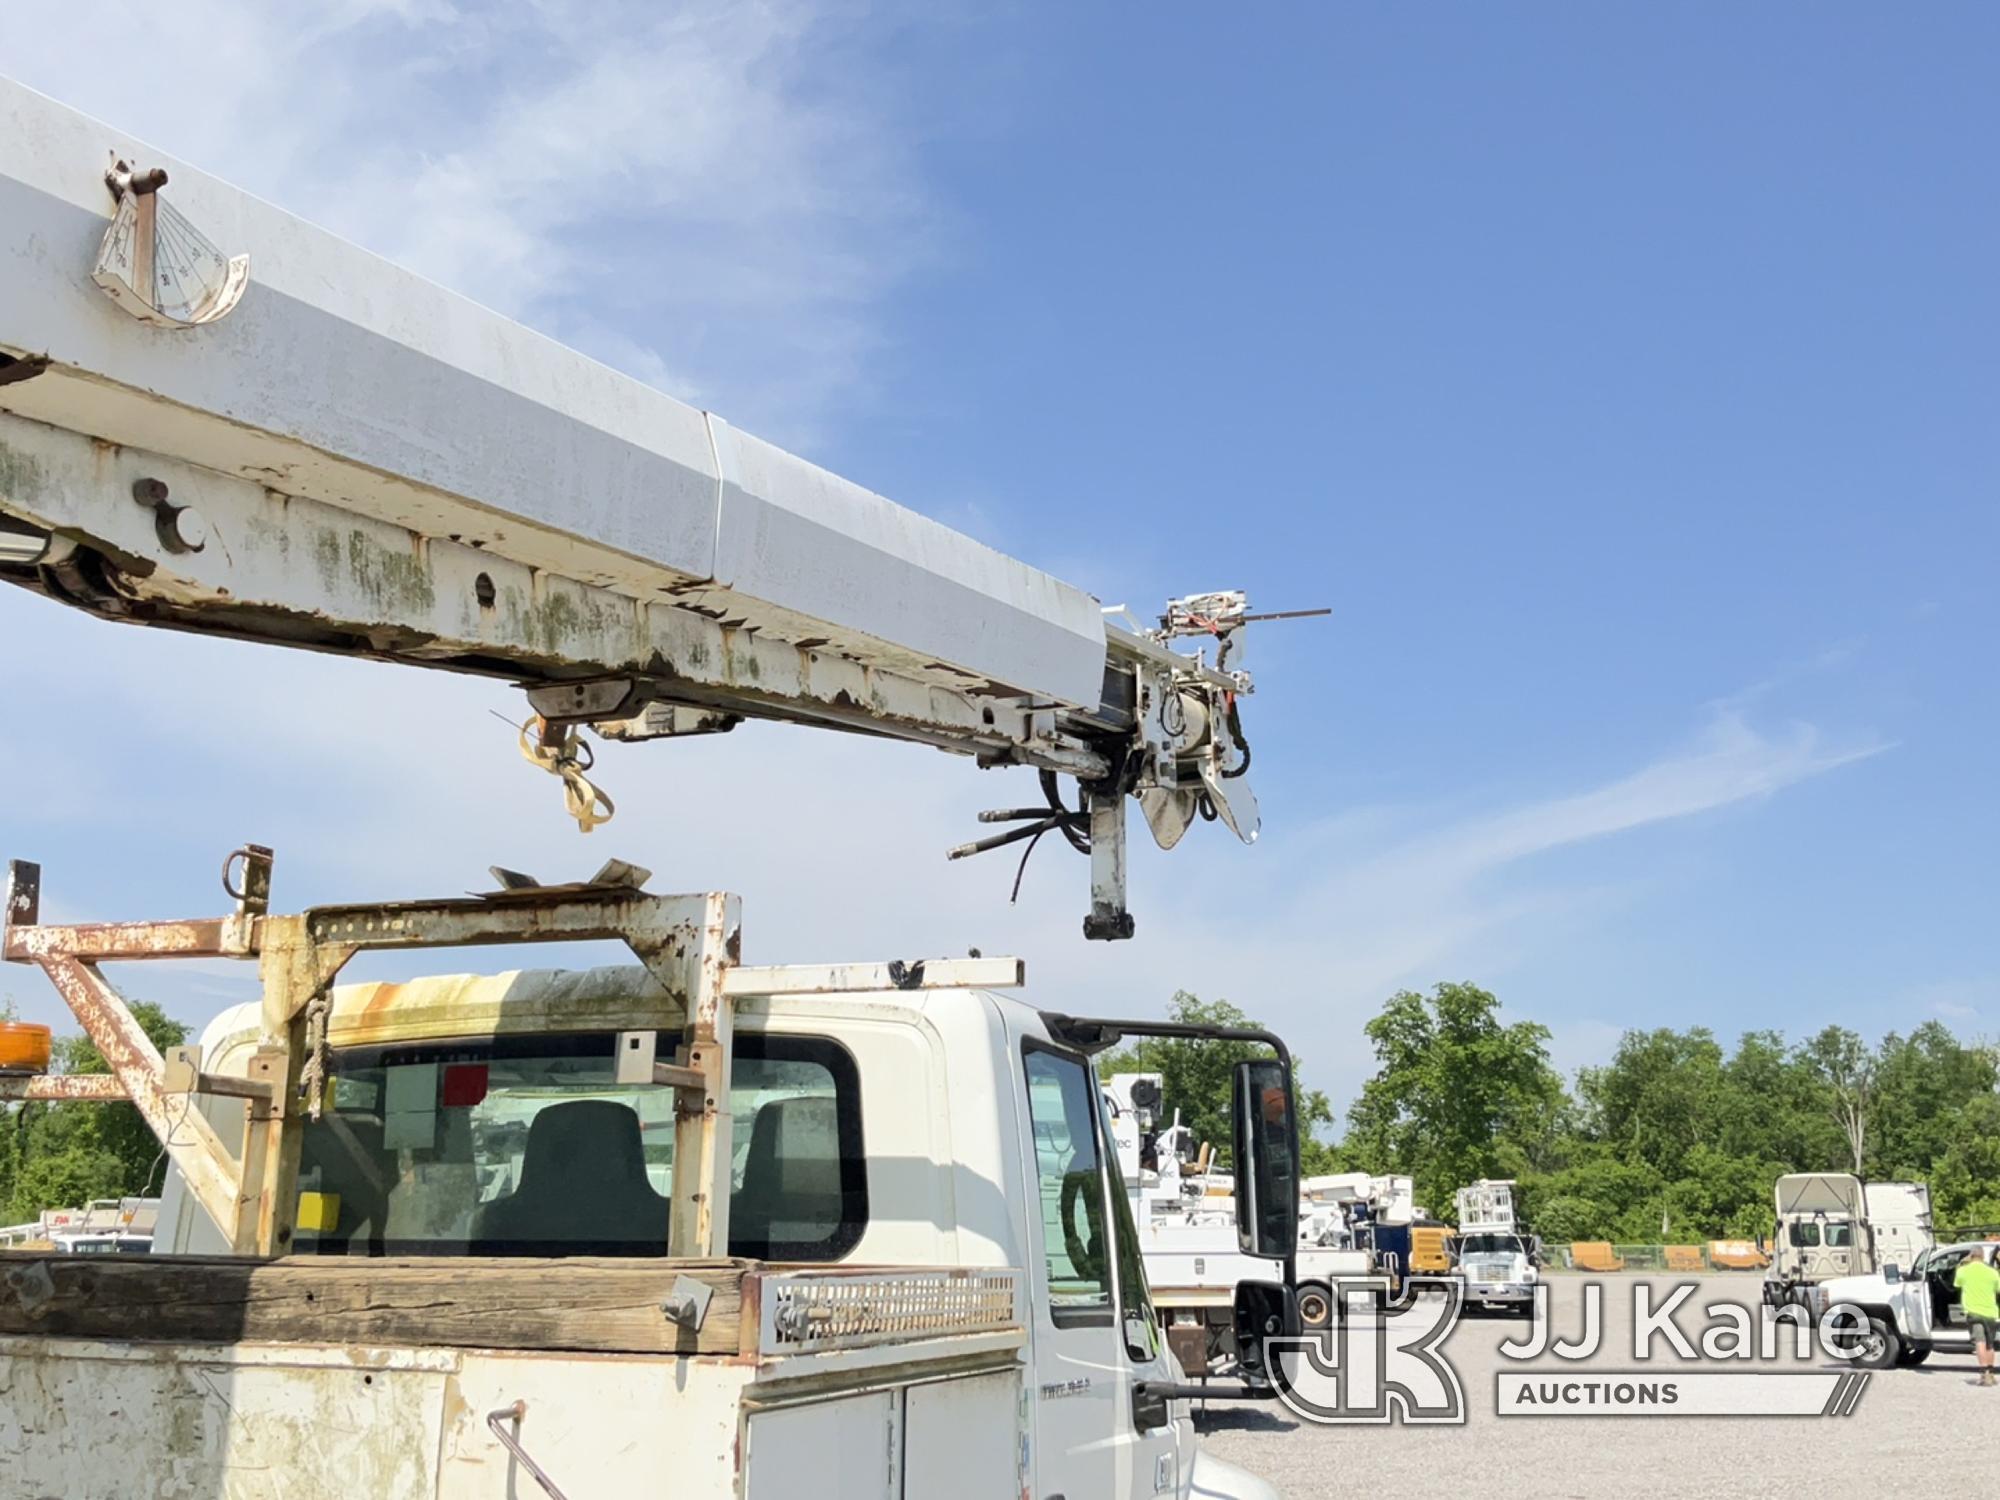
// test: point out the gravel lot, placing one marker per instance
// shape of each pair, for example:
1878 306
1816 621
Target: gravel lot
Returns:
1922 1431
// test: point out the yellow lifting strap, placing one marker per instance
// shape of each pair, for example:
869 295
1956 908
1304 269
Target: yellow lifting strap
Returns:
563 752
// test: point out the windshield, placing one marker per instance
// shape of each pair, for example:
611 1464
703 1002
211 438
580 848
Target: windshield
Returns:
1490 1244
529 1146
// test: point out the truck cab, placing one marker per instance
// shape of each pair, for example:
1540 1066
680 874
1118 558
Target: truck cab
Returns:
1822 1234
847 1231
952 1129
1832 1225
1499 1269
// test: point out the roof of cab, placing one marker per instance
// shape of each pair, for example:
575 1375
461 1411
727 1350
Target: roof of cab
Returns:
614 997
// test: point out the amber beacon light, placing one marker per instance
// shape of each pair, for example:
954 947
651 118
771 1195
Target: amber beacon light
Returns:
24 1047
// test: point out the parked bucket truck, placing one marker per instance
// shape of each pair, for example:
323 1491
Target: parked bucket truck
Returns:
1496 1258
1186 1214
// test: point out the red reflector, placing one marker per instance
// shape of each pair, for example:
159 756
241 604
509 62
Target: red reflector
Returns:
464 1085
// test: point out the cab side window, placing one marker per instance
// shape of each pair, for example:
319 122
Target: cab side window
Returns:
1069 1176
1141 1327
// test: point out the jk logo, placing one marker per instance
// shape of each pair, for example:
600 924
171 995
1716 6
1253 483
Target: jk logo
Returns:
1368 1367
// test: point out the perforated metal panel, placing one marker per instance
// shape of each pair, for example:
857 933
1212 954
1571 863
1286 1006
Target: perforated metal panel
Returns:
807 1313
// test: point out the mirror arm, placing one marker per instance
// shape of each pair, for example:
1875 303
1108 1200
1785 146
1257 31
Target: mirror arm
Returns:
1175 1391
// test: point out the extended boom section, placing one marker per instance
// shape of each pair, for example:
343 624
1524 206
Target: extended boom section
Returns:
216 417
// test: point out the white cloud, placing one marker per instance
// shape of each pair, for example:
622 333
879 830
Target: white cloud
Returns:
669 188
1955 1000
1729 762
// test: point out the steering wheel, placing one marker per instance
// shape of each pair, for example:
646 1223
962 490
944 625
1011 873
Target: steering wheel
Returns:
1085 1249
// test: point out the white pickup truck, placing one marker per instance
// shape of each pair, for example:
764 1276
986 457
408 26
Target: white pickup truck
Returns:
498 1266
1909 1315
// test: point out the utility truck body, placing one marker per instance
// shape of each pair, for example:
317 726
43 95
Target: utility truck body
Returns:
864 1235
1495 1258
1186 1212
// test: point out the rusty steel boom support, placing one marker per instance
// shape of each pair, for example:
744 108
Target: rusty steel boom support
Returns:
689 944
686 943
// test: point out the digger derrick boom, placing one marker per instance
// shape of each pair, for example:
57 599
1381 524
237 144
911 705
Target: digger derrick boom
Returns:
315 448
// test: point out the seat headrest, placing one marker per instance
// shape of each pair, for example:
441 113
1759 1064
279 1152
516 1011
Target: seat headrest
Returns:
598 1138
795 1146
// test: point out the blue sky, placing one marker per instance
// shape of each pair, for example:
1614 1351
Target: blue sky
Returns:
1623 377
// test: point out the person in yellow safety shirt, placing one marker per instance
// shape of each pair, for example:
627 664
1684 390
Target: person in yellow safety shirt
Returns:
1979 1294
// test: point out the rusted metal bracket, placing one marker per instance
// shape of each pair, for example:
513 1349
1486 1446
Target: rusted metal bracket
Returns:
183 1075
686 942
671 1075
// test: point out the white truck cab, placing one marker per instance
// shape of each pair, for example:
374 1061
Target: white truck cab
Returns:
1908 1315
1495 1259
1832 1225
929 1279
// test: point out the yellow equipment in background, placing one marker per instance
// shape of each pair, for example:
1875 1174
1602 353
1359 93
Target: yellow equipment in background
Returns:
1430 1250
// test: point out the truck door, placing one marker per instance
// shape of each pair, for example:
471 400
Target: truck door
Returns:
1085 1442
1940 1280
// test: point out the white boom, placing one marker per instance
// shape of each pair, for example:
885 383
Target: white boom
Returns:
216 417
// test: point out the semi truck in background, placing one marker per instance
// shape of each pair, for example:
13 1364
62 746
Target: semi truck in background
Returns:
1832 1224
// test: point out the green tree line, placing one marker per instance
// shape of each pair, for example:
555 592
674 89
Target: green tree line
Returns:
64 1155
1675 1138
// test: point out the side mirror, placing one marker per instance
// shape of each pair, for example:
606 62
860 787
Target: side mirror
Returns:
1892 1273
1264 1310
1151 1407
1267 1152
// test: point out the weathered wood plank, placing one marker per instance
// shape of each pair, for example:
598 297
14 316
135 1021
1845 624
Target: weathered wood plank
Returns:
594 1305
